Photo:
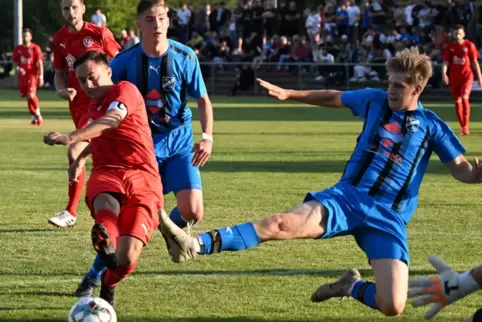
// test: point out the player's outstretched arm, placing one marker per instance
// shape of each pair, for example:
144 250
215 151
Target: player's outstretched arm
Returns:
325 98
444 289
462 170
109 121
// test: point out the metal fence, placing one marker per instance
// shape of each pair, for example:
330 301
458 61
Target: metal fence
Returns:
221 77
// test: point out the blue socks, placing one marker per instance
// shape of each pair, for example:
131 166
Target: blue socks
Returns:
364 292
176 217
97 268
239 237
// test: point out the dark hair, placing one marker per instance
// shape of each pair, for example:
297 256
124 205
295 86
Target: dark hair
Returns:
27 30
457 27
91 55
145 5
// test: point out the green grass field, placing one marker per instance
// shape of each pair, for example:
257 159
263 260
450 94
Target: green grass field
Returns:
267 155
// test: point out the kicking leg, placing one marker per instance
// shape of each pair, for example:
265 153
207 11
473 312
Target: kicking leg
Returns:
68 217
307 220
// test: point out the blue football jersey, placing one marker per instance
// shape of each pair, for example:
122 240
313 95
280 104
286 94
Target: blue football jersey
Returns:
394 148
165 82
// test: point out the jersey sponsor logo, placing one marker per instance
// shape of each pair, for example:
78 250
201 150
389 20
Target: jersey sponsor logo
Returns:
168 83
412 124
459 60
24 60
390 134
70 61
88 41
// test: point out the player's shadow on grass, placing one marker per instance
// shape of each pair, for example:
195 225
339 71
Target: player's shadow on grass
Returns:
38 293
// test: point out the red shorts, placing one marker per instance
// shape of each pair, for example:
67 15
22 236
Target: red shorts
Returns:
141 198
27 84
79 108
461 88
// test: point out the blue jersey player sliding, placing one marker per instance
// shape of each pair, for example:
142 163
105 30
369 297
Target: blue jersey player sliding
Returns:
166 72
376 196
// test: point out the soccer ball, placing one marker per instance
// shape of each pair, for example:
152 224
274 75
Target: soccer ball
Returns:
92 309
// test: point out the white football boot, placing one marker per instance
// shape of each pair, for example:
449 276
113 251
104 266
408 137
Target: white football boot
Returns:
63 219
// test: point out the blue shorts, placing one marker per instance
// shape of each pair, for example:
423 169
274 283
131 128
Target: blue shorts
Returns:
174 155
379 231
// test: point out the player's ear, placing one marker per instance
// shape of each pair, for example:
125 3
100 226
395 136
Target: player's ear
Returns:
109 72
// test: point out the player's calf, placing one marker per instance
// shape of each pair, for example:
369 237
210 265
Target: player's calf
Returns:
104 245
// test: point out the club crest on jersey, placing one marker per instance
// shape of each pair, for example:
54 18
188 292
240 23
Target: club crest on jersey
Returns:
88 41
412 124
168 83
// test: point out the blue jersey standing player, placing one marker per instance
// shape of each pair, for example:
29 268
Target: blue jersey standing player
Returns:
377 193
166 72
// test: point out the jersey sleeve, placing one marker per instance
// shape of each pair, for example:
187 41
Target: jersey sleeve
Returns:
445 143
357 101
111 47
118 70
126 94
473 52
446 55
194 79
59 61
39 54
16 56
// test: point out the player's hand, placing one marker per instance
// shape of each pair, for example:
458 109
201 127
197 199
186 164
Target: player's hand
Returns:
273 90
479 81
445 79
476 171
202 152
40 82
53 138
67 94
22 71
75 170
440 290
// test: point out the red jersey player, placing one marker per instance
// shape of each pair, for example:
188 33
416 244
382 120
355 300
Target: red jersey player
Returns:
30 69
70 42
124 191
460 56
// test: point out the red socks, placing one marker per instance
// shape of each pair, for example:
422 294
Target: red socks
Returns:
465 112
75 193
113 277
109 220
459 109
33 105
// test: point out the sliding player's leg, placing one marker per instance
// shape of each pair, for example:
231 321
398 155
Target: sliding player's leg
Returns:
388 254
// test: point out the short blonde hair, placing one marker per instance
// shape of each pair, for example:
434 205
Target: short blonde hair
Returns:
417 66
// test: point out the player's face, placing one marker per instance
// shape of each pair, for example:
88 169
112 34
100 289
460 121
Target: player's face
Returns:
73 11
400 93
27 37
154 24
458 35
94 78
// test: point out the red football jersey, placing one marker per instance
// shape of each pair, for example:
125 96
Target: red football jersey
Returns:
459 57
28 57
70 45
130 145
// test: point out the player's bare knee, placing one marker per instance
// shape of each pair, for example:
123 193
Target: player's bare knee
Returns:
30 96
107 202
465 97
390 307
192 210
129 251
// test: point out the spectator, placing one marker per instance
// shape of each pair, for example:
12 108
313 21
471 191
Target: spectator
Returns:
99 19
184 21
293 20
124 40
223 16
133 39
341 18
269 16
312 24
378 13
353 21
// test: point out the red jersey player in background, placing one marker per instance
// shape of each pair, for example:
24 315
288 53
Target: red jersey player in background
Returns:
460 56
70 42
30 68
124 191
